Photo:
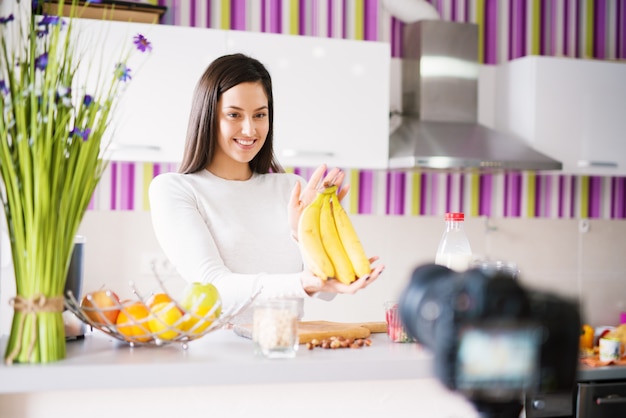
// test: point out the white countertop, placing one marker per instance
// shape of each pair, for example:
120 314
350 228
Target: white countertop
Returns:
219 358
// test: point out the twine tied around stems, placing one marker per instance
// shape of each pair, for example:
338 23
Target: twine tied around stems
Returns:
30 308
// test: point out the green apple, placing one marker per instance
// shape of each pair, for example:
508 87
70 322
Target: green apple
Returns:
198 300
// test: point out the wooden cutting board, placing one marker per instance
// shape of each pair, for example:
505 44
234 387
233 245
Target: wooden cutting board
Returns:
309 330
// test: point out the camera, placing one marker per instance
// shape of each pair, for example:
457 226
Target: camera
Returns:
492 340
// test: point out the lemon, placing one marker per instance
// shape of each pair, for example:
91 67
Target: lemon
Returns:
165 317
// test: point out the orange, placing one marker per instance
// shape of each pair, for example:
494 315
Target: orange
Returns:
157 298
132 322
165 317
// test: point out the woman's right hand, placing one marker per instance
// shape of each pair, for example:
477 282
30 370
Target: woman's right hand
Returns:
313 284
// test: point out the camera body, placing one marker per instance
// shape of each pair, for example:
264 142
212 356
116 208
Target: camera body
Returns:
492 340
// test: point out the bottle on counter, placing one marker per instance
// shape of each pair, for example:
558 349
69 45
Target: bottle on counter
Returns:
454 249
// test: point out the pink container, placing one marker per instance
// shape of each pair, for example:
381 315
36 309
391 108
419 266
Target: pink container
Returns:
395 329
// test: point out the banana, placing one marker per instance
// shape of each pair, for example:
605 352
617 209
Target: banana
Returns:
349 239
332 242
311 246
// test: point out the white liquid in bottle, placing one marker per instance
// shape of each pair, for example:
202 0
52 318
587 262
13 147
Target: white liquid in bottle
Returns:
457 262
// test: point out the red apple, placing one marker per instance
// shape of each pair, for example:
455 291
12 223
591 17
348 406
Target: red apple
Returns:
102 307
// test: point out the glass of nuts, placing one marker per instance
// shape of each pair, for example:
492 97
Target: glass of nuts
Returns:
275 328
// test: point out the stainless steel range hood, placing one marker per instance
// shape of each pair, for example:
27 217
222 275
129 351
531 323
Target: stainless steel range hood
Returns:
438 126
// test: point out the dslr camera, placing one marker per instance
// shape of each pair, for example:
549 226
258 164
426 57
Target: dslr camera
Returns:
492 340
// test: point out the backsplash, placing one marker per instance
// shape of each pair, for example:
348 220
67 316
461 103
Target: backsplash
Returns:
508 29
515 194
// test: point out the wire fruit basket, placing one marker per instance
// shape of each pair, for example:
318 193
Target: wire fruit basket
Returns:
159 324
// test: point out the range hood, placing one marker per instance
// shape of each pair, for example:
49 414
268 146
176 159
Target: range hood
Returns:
438 126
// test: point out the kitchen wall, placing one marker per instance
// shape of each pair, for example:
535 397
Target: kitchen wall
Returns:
566 232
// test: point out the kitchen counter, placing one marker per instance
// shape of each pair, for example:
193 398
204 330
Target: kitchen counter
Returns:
218 375
223 356
220 372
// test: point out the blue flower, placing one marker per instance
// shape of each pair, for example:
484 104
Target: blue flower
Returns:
41 62
4 89
87 100
5 20
122 72
84 134
142 43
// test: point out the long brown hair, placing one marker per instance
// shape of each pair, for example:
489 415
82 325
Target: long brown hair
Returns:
224 73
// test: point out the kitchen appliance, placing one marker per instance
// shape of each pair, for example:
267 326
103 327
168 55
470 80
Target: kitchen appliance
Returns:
74 327
601 399
437 127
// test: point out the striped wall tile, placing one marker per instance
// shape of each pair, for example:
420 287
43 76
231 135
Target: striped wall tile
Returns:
514 194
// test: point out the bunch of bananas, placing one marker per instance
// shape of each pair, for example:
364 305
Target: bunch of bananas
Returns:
329 244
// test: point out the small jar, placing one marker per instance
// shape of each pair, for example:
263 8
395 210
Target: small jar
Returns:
275 328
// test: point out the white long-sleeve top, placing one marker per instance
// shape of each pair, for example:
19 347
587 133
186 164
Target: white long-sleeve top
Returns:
234 234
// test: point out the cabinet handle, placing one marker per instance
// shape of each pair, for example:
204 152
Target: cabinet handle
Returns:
611 399
300 153
605 164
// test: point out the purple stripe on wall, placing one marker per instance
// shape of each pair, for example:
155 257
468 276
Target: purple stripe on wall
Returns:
192 13
595 190
561 197
462 193
553 27
538 195
618 198
395 192
572 198
548 194
423 193
566 28
448 192
329 18
621 29
466 17
366 186
344 19
543 35
485 194
577 28
314 18
491 32
238 14
513 190
303 12
453 11
127 186
371 20
517 29
276 16
599 45
113 186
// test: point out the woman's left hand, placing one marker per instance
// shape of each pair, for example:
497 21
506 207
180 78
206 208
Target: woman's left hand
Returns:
300 199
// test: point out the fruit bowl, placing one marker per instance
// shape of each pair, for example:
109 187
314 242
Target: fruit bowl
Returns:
148 324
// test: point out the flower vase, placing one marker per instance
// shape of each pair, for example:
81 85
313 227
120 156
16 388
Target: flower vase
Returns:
37 332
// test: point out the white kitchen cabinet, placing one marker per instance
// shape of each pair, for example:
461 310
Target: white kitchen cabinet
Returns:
573 110
150 123
331 96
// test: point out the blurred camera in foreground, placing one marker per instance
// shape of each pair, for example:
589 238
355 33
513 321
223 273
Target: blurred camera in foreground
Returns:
492 340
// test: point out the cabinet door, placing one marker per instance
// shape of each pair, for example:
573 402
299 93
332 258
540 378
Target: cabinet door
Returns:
331 97
570 109
150 122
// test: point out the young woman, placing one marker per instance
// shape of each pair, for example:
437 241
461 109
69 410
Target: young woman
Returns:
230 215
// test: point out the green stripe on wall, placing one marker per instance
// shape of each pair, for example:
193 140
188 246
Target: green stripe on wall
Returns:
480 20
294 17
474 194
359 20
535 36
355 188
584 197
589 19
225 15
148 169
530 192
416 190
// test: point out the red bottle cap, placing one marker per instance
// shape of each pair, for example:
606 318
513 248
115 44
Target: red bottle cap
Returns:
455 216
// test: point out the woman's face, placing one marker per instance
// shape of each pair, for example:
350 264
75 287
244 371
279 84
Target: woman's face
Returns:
243 120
